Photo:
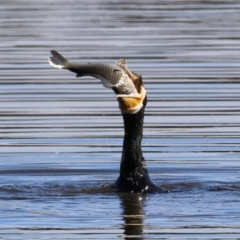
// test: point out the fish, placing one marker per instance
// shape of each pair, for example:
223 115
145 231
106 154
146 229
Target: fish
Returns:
112 76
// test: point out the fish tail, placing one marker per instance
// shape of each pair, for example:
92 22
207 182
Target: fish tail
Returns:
57 60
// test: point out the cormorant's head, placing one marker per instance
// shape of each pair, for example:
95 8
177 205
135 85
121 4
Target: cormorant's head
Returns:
132 105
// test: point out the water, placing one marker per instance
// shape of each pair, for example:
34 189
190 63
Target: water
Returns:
61 136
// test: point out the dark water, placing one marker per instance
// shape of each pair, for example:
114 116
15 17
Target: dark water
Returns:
61 137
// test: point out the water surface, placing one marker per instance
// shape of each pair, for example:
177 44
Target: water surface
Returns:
61 136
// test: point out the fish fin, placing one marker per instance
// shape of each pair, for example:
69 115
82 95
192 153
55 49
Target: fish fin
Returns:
57 60
80 75
105 83
120 62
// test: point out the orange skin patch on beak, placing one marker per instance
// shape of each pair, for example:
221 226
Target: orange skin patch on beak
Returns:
132 105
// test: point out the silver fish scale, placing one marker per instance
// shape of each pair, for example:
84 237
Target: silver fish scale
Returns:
114 75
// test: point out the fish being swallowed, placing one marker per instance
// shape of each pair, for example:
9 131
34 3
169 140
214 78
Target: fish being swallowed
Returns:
111 76
127 85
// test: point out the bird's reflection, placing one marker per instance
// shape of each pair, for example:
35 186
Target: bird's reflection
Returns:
133 214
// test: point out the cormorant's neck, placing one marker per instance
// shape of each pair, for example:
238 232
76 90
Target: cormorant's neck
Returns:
132 162
133 171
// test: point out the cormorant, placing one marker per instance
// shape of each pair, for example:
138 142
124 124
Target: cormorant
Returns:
132 99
